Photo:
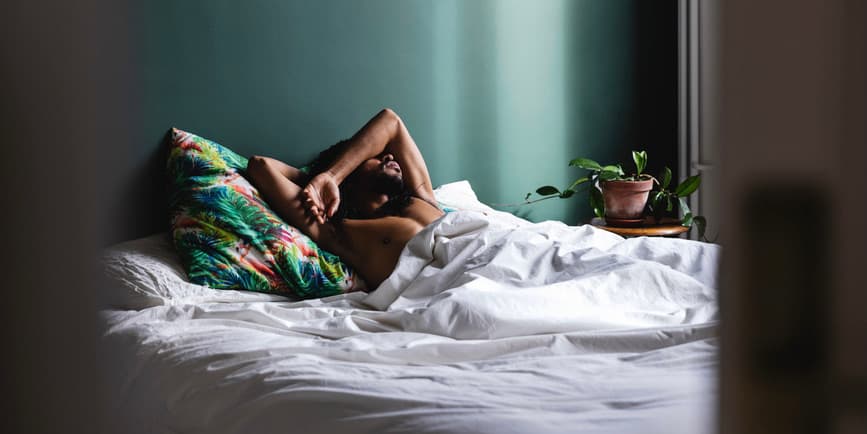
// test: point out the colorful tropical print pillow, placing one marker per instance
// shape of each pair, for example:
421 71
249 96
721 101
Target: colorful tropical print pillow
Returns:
227 236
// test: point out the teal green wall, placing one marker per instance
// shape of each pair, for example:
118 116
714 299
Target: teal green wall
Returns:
502 93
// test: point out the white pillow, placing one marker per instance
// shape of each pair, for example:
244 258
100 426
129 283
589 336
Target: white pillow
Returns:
148 272
460 196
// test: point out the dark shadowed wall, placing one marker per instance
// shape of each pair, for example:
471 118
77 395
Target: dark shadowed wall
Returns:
502 93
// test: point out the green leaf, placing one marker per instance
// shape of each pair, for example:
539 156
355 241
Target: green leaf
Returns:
684 208
688 186
668 206
615 168
607 175
567 194
701 223
687 220
640 159
656 200
597 203
578 182
547 190
666 177
585 163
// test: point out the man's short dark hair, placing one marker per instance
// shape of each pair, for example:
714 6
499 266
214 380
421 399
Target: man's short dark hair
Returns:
327 157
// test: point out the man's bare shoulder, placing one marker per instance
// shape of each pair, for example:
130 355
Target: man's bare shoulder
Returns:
380 226
375 244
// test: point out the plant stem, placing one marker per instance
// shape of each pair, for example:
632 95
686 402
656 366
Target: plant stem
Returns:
526 202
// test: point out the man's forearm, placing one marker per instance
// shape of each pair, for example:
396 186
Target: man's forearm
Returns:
291 173
370 141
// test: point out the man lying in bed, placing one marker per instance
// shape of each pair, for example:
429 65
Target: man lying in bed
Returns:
363 200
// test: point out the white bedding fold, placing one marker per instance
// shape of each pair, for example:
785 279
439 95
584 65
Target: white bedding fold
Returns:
265 366
472 276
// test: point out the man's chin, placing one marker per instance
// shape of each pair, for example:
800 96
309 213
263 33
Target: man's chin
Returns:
388 184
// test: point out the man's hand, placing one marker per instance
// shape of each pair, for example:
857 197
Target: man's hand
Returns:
322 196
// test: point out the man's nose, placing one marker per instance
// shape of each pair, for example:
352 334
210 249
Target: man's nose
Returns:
387 157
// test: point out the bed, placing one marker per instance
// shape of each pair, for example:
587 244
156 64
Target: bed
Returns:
489 324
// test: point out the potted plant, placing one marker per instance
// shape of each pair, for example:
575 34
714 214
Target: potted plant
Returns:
625 199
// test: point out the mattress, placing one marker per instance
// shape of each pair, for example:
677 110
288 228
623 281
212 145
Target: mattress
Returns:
489 324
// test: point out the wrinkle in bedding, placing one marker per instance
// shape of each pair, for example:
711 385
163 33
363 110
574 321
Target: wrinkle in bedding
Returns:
469 276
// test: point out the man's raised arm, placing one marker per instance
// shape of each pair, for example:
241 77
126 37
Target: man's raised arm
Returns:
268 175
384 133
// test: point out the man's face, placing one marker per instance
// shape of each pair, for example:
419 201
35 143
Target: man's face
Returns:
381 174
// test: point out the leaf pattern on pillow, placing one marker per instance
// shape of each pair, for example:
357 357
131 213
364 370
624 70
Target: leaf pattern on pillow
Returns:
227 236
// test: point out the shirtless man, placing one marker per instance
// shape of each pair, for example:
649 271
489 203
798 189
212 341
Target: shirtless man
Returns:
367 196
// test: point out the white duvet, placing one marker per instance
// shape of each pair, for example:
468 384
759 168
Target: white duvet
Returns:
489 324
474 275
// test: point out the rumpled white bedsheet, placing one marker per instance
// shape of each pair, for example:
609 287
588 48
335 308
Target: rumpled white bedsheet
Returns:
489 325
472 275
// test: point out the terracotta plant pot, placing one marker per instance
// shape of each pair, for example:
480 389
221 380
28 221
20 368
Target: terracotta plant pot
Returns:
625 200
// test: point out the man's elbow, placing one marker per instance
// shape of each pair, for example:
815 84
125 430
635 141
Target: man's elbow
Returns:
389 114
256 162
256 165
391 118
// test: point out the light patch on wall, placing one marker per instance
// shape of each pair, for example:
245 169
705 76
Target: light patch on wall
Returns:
444 95
532 88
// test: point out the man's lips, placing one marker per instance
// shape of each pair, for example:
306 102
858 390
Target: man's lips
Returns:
392 165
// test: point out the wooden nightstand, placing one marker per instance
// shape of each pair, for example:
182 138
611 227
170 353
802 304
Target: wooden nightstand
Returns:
667 227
